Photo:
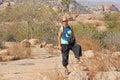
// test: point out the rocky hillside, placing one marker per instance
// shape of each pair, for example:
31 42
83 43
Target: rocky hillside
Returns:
45 64
106 8
74 6
95 3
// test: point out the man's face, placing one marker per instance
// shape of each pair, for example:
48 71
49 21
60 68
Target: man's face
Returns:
65 22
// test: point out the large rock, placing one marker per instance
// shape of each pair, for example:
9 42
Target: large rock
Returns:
34 41
9 58
43 44
9 44
27 76
7 5
88 54
25 43
49 45
101 28
78 75
101 7
111 75
115 54
90 17
110 7
4 52
107 8
56 9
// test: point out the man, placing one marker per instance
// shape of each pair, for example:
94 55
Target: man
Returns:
64 46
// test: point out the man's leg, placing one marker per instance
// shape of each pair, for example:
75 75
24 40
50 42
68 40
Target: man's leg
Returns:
65 57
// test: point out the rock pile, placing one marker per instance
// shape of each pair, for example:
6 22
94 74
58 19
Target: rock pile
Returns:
106 8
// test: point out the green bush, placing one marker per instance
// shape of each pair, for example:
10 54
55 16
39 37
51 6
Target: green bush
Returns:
112 40
39 22
111 37
88 36
111 19
8 36
87 31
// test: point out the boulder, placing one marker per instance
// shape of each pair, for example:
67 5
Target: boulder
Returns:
115 54
43 44
25 43
56 9
111 75
106 8
1 58
4 52
88 53
78 75
110 7
9 58
101 7
49 45
7 5
26 53
83 17
101 28
9 44
34 41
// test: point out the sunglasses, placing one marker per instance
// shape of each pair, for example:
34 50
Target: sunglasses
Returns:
65 21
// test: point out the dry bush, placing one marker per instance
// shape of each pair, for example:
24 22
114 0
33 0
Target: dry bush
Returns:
87 36
20 51
1 44
90 45
112 19
102 62
112 40
99 23
115 61
29 21
98 63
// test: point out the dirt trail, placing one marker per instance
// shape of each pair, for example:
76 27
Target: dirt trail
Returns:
40 64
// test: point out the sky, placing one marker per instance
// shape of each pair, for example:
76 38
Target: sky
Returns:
99 0
94 3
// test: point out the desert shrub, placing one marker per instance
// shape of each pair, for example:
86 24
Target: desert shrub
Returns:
1 40
90 38
90 45
1 44
39 22
112 19
8 36
87 36
112 40
102 62
19 51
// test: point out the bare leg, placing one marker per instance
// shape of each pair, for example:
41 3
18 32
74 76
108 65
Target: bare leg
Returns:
78 60
66 70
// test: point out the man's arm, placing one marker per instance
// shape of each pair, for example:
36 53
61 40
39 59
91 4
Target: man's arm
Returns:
59 39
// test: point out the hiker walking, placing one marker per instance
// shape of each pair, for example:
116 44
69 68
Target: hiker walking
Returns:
67 42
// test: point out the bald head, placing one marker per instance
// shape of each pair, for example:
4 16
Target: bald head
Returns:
65 21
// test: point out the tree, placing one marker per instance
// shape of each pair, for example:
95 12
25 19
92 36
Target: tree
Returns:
66 3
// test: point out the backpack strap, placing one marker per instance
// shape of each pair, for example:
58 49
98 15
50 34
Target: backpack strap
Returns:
62 28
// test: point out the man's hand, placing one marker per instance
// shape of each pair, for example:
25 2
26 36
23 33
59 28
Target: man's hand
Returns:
59 47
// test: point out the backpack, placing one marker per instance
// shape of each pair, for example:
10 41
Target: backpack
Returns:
71 38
